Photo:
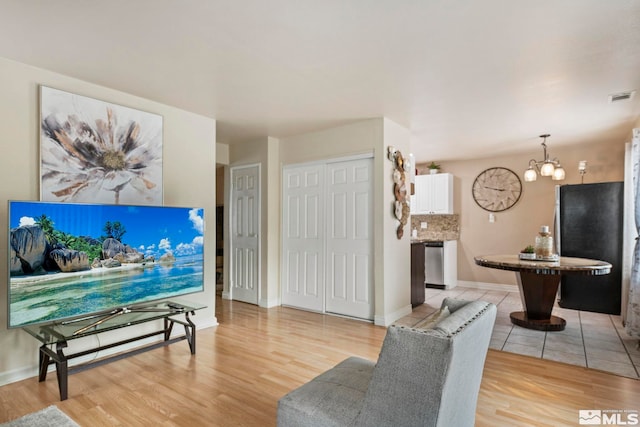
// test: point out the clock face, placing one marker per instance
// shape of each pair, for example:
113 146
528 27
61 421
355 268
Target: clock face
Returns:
496 189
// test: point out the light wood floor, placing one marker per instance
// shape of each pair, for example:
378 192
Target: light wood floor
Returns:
255 356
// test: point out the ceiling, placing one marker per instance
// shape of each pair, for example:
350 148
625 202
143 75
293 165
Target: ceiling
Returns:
468 78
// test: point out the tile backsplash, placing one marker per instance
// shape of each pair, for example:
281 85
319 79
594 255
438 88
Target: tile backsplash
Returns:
439 227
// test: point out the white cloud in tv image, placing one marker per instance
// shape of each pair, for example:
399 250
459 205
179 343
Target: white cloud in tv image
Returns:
25 220
197 220
68 260
165 245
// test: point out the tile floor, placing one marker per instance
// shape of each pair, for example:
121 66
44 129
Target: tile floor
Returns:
592 340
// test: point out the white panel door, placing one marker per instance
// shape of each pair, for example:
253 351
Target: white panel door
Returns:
349 240
245 223
303 237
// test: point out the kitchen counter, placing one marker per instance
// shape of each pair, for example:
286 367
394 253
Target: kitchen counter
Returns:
425 240
439 228
448 261
434 228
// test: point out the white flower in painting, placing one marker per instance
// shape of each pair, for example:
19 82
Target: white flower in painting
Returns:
89 157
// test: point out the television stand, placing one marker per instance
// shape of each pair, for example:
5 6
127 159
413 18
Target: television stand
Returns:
59 334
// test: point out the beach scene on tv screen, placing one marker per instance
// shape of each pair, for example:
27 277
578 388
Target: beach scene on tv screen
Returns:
68 260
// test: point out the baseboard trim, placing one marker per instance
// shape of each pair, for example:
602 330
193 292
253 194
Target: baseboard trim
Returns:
388 319
209 323
269 303
16 375
488 286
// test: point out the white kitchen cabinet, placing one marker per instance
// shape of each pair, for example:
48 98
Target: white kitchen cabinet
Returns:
433 194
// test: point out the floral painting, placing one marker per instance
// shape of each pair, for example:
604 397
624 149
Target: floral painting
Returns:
94 151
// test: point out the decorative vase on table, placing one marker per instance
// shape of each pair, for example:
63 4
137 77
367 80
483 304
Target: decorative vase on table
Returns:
544 243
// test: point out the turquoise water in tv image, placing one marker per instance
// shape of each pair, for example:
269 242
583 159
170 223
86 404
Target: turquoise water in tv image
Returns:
94 291
72 259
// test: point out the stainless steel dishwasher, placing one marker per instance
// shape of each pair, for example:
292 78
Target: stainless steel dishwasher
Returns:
434 265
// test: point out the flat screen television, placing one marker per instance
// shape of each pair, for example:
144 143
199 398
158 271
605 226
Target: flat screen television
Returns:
71 260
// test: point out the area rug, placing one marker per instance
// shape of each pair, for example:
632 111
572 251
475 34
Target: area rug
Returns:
48 417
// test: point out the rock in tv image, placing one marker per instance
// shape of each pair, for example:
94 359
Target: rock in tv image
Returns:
68 260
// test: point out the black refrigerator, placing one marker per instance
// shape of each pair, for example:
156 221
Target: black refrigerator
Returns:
589 224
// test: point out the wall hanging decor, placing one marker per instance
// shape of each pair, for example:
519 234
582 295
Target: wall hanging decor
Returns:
94 151
401 204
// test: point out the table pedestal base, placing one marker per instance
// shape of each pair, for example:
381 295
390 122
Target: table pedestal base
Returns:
538 283
538 293
553 323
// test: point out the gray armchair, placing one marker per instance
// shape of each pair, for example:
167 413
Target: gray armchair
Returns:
423 377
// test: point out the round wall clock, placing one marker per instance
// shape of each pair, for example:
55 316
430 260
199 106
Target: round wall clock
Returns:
496 189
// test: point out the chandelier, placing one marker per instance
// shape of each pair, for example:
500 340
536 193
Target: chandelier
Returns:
546 167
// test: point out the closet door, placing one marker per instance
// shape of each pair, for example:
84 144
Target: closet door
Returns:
303 237
349 240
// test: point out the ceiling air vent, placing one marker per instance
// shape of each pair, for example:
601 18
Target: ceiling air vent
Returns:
621 96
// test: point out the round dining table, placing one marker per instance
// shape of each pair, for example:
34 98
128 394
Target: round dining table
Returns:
538 282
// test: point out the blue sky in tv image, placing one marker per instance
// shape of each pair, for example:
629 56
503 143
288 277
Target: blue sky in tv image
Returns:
151 230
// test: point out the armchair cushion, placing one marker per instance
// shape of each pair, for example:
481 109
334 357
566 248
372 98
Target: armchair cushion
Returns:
423 377
333 398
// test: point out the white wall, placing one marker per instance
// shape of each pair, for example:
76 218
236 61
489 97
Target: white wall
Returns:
222 154
396 253
188 169
272 232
